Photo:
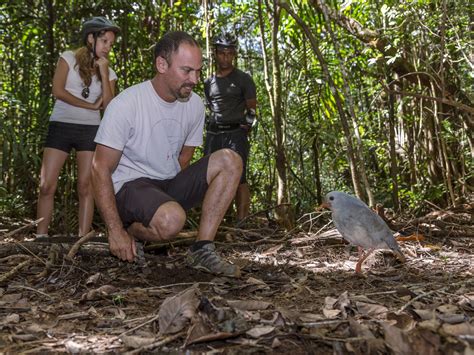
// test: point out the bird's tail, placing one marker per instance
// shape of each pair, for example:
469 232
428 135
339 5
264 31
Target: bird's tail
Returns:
393 245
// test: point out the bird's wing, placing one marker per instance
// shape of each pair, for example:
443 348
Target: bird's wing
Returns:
349 225
380 234
360 226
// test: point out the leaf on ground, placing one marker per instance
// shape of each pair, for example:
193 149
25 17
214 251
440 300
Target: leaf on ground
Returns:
330 302
74 347
331 313
276 343
372 310
259 331
34 328
403 320
202 331
452 318
396 340
430 324
98 293
310 317
335 307
92 280
176 311
462 329
425 314
254 281
12 318
360 330
198 329
249 305
447 308
343 303
289 316
10 298
278 320
426 342
272 250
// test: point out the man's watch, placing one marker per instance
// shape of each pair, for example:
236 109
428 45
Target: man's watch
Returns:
250 117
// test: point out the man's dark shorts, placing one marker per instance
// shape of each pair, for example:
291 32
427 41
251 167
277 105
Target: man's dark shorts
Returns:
237 140
138 200
65 136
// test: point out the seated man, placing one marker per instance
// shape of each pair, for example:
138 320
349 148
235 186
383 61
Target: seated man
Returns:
143 183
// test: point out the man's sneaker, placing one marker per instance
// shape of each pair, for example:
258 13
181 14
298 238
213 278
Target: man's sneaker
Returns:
206 259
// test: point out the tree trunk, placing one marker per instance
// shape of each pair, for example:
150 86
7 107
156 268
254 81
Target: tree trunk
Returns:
345 125
283 212
393 152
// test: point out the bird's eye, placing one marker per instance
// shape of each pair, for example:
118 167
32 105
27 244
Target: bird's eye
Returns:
331 198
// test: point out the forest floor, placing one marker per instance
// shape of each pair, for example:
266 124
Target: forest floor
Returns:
298 293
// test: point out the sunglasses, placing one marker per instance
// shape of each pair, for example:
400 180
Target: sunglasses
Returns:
85 92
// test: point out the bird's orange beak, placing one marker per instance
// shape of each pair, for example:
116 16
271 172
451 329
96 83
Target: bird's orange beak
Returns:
323 206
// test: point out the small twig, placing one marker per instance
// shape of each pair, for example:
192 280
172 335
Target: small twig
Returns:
433 205
155 317
422 295
32 223
75 248
6 259
259 212
31 289
322 323
156 344
178 284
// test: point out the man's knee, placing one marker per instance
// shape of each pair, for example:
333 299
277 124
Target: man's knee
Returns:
168 220
230 160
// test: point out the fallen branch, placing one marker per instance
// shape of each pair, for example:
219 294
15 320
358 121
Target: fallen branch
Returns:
13 232
16 269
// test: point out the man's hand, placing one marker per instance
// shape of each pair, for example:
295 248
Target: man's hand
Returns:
122 245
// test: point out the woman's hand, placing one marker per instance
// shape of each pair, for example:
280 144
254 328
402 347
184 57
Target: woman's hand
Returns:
103 64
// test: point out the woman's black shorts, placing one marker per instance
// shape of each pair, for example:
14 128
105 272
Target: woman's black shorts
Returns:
65 136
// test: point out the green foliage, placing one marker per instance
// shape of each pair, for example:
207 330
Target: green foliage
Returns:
33 36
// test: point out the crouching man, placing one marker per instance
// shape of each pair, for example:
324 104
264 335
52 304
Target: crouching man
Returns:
141 173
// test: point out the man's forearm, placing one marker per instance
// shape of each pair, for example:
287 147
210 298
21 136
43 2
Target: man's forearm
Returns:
105 199
185 156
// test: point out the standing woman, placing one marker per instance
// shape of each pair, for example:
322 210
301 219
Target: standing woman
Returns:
83 84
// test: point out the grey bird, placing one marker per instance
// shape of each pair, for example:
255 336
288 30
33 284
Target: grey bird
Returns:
360 226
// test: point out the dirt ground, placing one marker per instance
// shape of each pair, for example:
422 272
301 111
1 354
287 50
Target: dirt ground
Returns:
298 293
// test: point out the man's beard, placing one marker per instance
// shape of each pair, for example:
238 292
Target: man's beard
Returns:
182 95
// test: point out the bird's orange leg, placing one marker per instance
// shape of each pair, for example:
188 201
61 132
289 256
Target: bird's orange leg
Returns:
362 258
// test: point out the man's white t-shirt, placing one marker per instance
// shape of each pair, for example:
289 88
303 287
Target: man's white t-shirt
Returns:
64 112
150 132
